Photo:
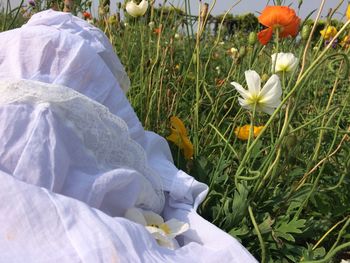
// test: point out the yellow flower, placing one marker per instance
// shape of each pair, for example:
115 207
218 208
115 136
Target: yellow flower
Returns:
348 12
328 32
243 132
345 43
179 137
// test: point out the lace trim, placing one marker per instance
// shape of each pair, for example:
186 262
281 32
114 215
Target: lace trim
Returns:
103 133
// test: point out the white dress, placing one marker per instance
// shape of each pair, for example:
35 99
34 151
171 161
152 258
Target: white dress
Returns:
71 163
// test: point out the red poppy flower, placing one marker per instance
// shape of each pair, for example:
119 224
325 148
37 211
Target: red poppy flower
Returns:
86 15
282 18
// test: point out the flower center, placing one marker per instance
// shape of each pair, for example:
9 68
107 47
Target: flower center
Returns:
165 228
277 28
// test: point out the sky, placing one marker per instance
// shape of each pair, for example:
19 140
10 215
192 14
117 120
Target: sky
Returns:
255 6
245 6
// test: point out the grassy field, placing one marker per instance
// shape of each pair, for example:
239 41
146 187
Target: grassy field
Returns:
283 191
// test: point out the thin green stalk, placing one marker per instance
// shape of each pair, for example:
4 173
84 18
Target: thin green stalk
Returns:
261 241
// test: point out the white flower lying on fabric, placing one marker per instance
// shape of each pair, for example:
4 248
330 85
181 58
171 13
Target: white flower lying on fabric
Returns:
286 62
163 232
266 99
136 10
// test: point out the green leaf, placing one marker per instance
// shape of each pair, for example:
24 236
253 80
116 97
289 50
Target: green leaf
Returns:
266 225
285 229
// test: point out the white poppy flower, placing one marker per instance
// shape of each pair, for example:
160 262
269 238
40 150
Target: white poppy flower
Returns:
286 62
136 10
163 232
266 99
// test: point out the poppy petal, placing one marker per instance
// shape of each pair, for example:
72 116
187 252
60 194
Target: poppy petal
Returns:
265 35
178 125
253 82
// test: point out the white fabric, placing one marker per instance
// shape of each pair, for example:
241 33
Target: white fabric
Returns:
45 166
86 150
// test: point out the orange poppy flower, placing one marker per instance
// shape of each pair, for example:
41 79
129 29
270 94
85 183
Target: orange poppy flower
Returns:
157 31
282 18
179 137
243 132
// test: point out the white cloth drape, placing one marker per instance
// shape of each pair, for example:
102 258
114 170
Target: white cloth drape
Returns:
48 221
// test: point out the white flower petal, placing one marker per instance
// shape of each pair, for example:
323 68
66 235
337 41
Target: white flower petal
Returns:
284 62
266 109
272 88
136 10
162 238
253 82
156 232
171 243
176 227
152 218
135 215
245 104
242 91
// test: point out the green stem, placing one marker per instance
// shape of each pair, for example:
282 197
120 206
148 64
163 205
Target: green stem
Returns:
261 241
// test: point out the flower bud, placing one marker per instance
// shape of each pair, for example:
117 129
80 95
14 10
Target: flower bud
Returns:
264 77
242 51
151 25
252 38
305 32
112 20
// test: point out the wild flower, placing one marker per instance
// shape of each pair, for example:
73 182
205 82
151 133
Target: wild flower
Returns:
151 24
112 20
87 15
334 43
163 232
179 137
136 10
233 52
266 99
281 18
328 32
345 43
218 70
31 3
283 62
243 132
157 30
220 82
348 12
